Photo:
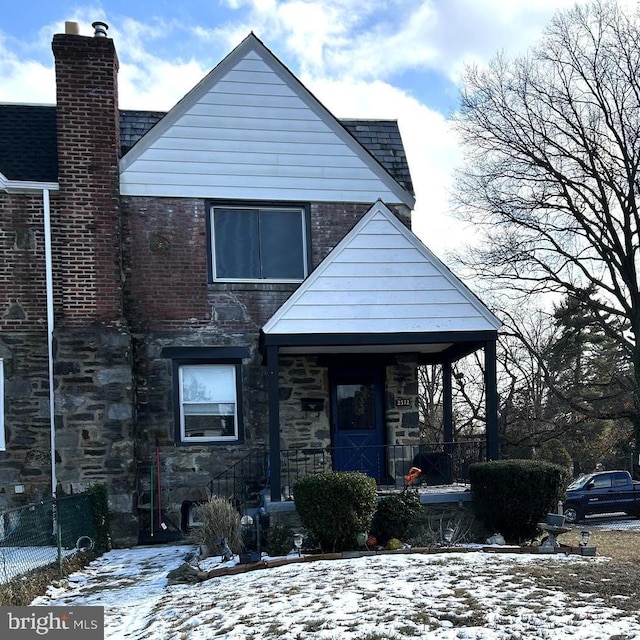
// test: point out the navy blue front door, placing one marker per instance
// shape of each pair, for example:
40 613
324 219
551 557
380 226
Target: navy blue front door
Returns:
357 424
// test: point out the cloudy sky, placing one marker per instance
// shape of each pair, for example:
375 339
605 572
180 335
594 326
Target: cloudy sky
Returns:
398 59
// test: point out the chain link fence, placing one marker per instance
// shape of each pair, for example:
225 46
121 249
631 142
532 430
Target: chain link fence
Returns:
45 533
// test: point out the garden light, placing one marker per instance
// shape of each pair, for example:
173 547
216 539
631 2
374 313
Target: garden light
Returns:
585 535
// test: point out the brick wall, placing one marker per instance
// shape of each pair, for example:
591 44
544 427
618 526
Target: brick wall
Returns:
88 228
165 265
22 268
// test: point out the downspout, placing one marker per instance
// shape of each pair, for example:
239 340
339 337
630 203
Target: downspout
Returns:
50 326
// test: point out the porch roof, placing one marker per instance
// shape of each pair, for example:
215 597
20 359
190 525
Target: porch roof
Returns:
381 290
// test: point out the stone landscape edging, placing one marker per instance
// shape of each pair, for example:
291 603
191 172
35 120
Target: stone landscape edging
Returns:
280 562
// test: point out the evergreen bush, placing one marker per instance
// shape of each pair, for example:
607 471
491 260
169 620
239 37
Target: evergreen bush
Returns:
335 507
512 496
395 515
101 516
554 451
279 540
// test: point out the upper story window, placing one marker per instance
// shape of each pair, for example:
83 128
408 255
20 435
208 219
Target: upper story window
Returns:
259 243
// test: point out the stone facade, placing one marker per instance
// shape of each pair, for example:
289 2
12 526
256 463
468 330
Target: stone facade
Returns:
131 278
170 303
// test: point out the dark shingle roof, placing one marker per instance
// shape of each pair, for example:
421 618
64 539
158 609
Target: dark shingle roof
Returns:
381 138
28 147
134 125
28 141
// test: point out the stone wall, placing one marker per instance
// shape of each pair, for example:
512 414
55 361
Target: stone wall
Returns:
25 466
95 414
186 471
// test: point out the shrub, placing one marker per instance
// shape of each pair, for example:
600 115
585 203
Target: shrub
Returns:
220 522
512 496
335 507
279 540
395 515
101 516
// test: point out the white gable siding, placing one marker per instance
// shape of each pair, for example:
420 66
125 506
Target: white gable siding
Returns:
381 279
248 133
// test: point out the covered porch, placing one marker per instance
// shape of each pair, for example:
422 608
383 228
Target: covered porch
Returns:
342 353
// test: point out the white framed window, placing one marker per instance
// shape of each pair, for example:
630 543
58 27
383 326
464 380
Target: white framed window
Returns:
259 243
208 403
3 442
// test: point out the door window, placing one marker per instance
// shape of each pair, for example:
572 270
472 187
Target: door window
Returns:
356 406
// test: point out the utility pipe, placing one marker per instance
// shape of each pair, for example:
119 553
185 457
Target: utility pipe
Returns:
50 327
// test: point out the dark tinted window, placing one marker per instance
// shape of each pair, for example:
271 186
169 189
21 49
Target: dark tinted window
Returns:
255 244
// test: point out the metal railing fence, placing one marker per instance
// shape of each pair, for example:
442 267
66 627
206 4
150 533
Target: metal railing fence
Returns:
440 463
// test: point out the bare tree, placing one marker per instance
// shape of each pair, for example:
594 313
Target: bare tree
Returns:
553 148
469 417
468 400
524 381
430 402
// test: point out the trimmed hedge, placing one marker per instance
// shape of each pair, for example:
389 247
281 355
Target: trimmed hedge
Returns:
512 496
335 507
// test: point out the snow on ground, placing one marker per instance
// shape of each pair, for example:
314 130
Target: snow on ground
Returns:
474 596
15 561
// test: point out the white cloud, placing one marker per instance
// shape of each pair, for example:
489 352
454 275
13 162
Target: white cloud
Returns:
430 143
348 52
24 80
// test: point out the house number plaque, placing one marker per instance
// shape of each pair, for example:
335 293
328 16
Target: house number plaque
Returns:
403 402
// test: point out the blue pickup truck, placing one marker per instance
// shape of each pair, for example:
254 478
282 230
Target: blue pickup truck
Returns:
603 492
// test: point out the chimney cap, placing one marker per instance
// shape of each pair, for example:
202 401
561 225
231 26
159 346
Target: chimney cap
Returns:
72 28
100 29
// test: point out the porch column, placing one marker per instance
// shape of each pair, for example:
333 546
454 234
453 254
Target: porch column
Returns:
447 404
491 385
273 395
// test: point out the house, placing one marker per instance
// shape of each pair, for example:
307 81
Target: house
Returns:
231 283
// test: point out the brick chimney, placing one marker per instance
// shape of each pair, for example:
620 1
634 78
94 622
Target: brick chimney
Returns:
87 225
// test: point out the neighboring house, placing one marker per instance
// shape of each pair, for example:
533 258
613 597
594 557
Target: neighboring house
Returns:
233 280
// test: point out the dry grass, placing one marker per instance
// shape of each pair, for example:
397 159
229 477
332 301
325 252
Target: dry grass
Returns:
220 522
23 589
623 546
614 576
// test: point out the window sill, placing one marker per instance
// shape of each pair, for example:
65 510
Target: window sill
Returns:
208 441
262 285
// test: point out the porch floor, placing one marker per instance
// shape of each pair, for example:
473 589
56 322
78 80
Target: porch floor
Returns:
429 494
